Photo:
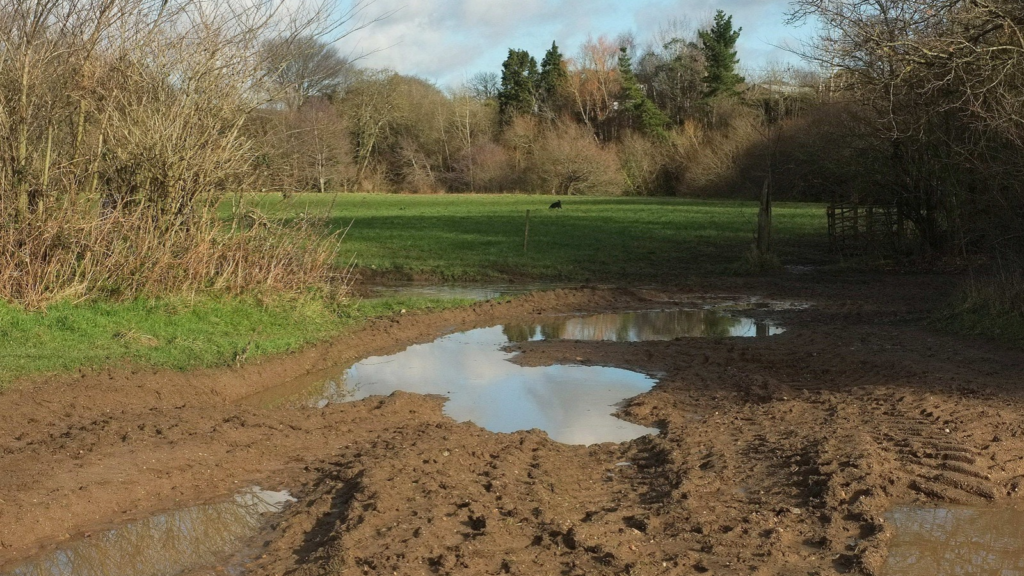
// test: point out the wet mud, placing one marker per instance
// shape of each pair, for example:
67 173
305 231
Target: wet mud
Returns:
788 454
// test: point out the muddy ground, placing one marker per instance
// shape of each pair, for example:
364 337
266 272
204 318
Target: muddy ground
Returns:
777 455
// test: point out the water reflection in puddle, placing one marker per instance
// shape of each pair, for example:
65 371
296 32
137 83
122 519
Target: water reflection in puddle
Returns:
644 326
956 541
573 404
162 545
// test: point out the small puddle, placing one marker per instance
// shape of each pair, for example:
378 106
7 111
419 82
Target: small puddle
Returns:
573 404
162 545
956 540
467 291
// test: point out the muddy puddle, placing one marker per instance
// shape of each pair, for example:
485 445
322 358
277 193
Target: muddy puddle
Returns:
162 545
573 404
956 540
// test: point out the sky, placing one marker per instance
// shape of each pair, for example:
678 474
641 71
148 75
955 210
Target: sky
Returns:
447 41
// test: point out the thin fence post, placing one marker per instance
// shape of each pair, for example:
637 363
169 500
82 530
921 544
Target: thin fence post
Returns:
526 237
830 215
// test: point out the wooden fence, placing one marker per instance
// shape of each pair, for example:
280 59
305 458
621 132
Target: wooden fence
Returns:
865 229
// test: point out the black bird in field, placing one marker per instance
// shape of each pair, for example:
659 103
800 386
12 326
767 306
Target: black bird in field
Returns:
556 205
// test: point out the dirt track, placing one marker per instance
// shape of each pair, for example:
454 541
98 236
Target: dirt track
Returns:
777 455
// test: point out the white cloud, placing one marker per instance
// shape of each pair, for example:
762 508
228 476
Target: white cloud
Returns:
445 40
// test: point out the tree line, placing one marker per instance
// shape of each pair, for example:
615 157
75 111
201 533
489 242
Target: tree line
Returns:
666 115
918 104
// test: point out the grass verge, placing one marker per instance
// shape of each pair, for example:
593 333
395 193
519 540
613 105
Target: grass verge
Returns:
177 333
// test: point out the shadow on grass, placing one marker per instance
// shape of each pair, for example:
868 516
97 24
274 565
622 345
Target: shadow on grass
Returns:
566 246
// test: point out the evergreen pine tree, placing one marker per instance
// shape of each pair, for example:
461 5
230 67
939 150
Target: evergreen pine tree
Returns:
552 79
518 94
648 117
720 59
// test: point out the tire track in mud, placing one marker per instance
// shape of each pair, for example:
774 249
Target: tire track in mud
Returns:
840 428
941 462
739 481
892 445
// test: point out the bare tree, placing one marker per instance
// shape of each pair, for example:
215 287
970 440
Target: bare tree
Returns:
304 67
484 85
594 82
141 101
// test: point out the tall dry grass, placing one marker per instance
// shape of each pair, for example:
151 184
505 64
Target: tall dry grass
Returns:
74 255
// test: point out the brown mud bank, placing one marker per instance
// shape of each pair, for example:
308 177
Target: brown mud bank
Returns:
776 455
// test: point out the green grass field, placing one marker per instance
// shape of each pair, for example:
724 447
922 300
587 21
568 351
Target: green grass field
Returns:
445 238
611 240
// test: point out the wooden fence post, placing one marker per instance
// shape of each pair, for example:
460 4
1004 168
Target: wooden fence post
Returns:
526 237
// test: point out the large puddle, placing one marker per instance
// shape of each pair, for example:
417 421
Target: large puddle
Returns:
573 404
956 541
162 545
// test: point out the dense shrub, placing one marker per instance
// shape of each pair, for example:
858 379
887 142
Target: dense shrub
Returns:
123 125
645 166
570 160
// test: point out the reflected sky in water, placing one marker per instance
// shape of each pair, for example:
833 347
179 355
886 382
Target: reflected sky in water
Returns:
573 404
956 541
162 545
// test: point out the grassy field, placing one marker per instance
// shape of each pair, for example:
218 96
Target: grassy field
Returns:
610 240
445 238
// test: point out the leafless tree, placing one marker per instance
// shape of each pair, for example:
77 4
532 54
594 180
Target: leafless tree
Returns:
304 67
484 85
594 82
141 101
